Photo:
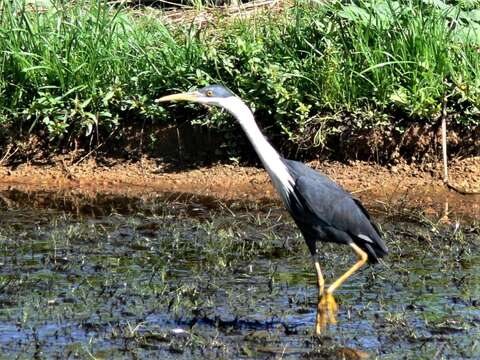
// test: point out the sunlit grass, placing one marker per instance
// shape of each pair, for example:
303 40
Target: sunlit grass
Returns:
86 68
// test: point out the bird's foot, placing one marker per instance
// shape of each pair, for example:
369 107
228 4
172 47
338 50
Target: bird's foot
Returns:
328 302
326 313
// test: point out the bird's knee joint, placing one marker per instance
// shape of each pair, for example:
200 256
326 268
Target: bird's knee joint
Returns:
362 255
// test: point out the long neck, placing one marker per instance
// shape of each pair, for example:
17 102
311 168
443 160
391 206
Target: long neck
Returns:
270 158
262 147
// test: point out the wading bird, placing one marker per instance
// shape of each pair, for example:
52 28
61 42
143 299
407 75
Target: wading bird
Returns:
322 210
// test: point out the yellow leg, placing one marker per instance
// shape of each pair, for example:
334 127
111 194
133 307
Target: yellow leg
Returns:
363 257
320 280
321 320
327 307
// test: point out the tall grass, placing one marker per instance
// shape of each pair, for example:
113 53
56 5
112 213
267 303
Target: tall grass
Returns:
85 68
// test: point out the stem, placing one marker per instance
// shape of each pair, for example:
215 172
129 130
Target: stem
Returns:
444 142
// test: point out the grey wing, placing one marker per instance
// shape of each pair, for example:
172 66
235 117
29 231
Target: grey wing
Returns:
338 210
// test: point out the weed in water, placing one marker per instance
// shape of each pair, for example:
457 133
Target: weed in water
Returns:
152 284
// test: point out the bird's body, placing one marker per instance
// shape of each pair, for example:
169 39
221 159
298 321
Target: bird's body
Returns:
322 210
325 212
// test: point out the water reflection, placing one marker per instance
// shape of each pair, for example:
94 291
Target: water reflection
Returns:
446 204
114 279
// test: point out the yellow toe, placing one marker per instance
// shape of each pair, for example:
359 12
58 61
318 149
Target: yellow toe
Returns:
326 313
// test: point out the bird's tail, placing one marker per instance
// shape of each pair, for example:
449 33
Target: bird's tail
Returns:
371 240
374 251
372 244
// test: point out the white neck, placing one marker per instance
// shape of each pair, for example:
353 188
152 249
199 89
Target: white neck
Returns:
270 158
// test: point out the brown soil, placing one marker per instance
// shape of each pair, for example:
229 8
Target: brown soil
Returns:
410 186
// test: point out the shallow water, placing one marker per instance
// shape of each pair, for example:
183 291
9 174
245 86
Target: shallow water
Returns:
181 276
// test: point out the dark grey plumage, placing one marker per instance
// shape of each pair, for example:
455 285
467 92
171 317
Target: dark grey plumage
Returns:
324 211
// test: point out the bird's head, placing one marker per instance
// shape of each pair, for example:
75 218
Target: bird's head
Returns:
216 95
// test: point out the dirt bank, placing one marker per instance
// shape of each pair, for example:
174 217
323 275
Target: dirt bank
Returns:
418 186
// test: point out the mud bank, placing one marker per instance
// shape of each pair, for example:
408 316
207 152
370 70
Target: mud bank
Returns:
412 186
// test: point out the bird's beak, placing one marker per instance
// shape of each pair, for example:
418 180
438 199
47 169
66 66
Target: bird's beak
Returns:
187 96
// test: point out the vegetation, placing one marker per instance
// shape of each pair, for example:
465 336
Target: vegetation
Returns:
103 277
79 71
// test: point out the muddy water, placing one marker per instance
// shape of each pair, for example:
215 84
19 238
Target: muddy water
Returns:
181 276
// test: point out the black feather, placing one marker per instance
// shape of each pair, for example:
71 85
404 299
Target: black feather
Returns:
325 212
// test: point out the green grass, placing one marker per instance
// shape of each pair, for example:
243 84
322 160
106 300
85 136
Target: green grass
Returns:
81 70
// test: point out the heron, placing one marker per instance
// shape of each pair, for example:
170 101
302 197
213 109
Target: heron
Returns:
322 210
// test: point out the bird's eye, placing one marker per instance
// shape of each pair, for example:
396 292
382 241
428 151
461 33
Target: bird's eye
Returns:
209 93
